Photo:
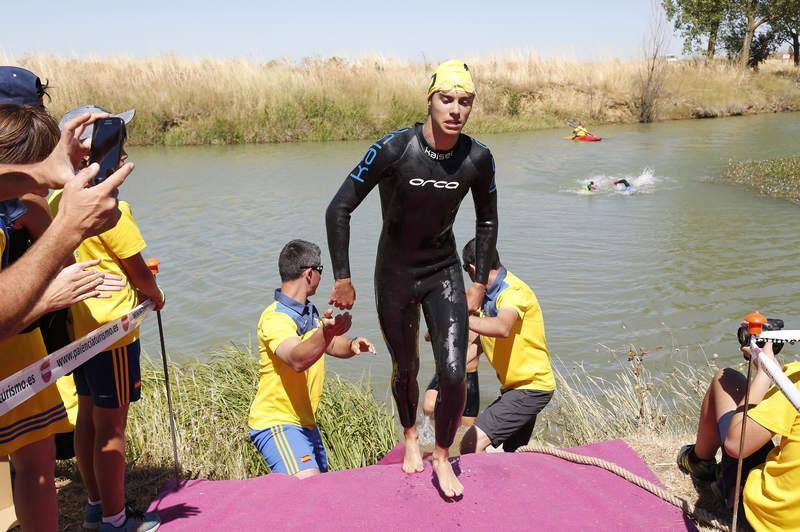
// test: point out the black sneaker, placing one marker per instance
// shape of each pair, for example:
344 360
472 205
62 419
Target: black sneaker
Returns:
701 471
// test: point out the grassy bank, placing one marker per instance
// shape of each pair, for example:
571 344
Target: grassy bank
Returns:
779 178
208 101
655 414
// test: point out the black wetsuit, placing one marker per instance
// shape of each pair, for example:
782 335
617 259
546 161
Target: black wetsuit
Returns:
417 262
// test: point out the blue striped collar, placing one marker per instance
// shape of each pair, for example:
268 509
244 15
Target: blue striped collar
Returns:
489 306
293 304
305 316
497 285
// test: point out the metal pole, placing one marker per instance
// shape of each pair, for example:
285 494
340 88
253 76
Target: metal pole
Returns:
737 488
169 398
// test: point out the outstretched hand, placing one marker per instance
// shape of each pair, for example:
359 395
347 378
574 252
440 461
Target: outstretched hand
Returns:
335 325
78 282
343 295
362 345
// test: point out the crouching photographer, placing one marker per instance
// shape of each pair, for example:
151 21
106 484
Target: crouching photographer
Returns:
769 498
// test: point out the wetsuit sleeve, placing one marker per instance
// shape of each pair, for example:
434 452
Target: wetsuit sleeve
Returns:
484 194
361 180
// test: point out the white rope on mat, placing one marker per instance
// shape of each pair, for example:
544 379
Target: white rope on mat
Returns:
700 515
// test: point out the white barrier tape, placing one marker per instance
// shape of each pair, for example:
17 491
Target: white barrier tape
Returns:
780 379
29 381
785 336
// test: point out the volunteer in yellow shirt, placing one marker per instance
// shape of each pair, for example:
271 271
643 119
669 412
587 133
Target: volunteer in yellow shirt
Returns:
511 331
110 381
772 491
292 339
771 475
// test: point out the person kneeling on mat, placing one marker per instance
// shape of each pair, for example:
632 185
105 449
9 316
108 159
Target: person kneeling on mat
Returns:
473 402
511 330
770 475
292 339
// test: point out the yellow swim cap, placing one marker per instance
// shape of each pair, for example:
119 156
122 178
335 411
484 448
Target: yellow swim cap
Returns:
451 75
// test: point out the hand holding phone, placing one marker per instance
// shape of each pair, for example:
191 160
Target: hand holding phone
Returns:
108 138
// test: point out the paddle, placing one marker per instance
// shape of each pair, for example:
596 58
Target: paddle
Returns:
575 125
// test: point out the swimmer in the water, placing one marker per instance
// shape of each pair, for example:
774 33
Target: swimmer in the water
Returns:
592 186
625 183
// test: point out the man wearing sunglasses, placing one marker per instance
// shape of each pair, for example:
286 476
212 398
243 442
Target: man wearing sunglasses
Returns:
292 339
511 330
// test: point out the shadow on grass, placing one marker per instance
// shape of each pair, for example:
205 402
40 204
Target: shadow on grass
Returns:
143 485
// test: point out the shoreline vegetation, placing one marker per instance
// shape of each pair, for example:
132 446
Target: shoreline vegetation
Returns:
654 414
182 101
779 178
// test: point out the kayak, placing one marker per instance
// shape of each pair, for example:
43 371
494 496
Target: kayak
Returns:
585 138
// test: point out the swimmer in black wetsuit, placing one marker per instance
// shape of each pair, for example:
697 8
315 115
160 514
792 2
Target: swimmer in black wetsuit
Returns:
624 182
423 173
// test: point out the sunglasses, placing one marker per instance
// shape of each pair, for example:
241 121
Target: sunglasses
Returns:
317 267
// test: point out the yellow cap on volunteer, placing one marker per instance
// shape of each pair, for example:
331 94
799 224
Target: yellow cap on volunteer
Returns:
451 75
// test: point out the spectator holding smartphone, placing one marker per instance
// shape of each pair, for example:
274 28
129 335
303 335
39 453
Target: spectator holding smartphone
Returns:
86 211
110 381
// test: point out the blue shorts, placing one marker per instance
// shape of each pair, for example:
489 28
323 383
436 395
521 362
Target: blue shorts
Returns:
289 449
112 378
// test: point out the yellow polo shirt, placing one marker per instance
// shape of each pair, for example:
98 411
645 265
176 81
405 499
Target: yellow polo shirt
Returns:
120 242
286 397
772 491
522 361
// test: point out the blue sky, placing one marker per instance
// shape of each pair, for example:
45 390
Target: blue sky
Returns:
263 30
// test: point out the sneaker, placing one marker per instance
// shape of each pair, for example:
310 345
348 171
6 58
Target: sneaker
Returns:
92 516
135 521
701 471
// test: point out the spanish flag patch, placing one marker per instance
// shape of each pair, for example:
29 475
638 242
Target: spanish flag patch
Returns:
306 458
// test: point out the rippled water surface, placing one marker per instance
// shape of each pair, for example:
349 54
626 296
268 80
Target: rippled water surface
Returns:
676 263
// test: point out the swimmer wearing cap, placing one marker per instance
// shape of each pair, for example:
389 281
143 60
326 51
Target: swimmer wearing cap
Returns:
423 172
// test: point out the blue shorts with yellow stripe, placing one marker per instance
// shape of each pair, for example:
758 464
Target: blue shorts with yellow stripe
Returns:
112 378
289 449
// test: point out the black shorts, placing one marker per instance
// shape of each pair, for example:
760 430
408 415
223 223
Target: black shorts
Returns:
112 378
510 419
728 464
473 402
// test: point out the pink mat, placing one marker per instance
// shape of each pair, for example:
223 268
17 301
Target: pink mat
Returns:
502 491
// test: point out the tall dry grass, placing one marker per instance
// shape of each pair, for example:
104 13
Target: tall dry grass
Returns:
221 101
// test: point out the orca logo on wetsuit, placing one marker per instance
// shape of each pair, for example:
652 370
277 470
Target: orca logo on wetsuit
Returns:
450 185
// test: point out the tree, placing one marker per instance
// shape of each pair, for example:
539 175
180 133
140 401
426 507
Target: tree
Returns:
762 43
752 14
696 20
786 23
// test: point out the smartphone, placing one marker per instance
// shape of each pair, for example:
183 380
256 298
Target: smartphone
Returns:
108 138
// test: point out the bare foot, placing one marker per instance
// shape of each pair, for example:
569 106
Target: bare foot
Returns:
448 481
412 461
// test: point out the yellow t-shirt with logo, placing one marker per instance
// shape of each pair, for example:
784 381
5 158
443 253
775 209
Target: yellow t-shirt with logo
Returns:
522 361
772 490
121 242
284 397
